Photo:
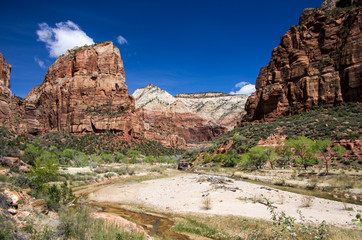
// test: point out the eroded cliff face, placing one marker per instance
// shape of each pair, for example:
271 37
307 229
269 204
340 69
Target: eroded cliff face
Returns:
5 93
5 70
85 91
317 62
187 118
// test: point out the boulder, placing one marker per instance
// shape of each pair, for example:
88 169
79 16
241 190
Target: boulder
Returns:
12 197
10 161
40 205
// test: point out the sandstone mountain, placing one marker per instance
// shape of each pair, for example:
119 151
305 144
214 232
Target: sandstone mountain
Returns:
5 69
317 62
85 91
187 118
5 93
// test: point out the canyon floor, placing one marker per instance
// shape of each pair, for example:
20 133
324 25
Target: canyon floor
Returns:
211 195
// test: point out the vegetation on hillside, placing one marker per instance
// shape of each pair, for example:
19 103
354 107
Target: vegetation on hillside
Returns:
340 122
309 140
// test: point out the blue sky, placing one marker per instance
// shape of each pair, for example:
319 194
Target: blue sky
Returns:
180 46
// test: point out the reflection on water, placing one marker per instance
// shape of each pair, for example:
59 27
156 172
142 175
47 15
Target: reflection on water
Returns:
154 225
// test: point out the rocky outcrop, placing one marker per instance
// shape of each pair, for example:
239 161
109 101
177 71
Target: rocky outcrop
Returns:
85 91
329 5
30 123
5 93
317 62
187 118
5 70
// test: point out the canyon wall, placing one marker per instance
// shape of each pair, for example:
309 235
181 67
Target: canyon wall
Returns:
5 93
317 62
5 70
85 91
187 119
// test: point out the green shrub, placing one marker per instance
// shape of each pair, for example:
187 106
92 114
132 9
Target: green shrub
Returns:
256 157
59 196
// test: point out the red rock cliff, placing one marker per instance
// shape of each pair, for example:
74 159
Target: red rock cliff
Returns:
5 69
5 93
85 91
317 62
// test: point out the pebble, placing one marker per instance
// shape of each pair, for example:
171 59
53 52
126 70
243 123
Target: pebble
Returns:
12 211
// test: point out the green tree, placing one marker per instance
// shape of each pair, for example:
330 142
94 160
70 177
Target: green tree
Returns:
58 196
207 158
66 156
119 157
322 147
271 155
80 159
285 154
218 158
232 158
46 169
304 150
95 158
256 156
108 158
150 159
31 153
133 154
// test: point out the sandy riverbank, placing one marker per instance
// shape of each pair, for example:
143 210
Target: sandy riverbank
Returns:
186 193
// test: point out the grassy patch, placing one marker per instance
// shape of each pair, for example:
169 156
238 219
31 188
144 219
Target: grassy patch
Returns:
77 224
206 203
192 226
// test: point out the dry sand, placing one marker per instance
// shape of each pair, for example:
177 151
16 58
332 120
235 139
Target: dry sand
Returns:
186 193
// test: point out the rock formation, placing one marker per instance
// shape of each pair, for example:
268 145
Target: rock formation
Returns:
5 93
85 91
5 70
187 118
317 62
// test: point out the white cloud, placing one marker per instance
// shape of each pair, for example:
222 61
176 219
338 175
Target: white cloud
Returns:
63 37
39 62
246 88
121 40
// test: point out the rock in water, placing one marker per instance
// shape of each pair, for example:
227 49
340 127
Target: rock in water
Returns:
85 91
317 62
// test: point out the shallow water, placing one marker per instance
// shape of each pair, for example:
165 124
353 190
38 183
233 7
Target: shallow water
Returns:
314 192
153 224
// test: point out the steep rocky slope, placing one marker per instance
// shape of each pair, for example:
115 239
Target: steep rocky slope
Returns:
5 92
179 121
5 69
317 62
85 91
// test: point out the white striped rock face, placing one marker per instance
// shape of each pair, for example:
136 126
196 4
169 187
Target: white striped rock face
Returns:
188 118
